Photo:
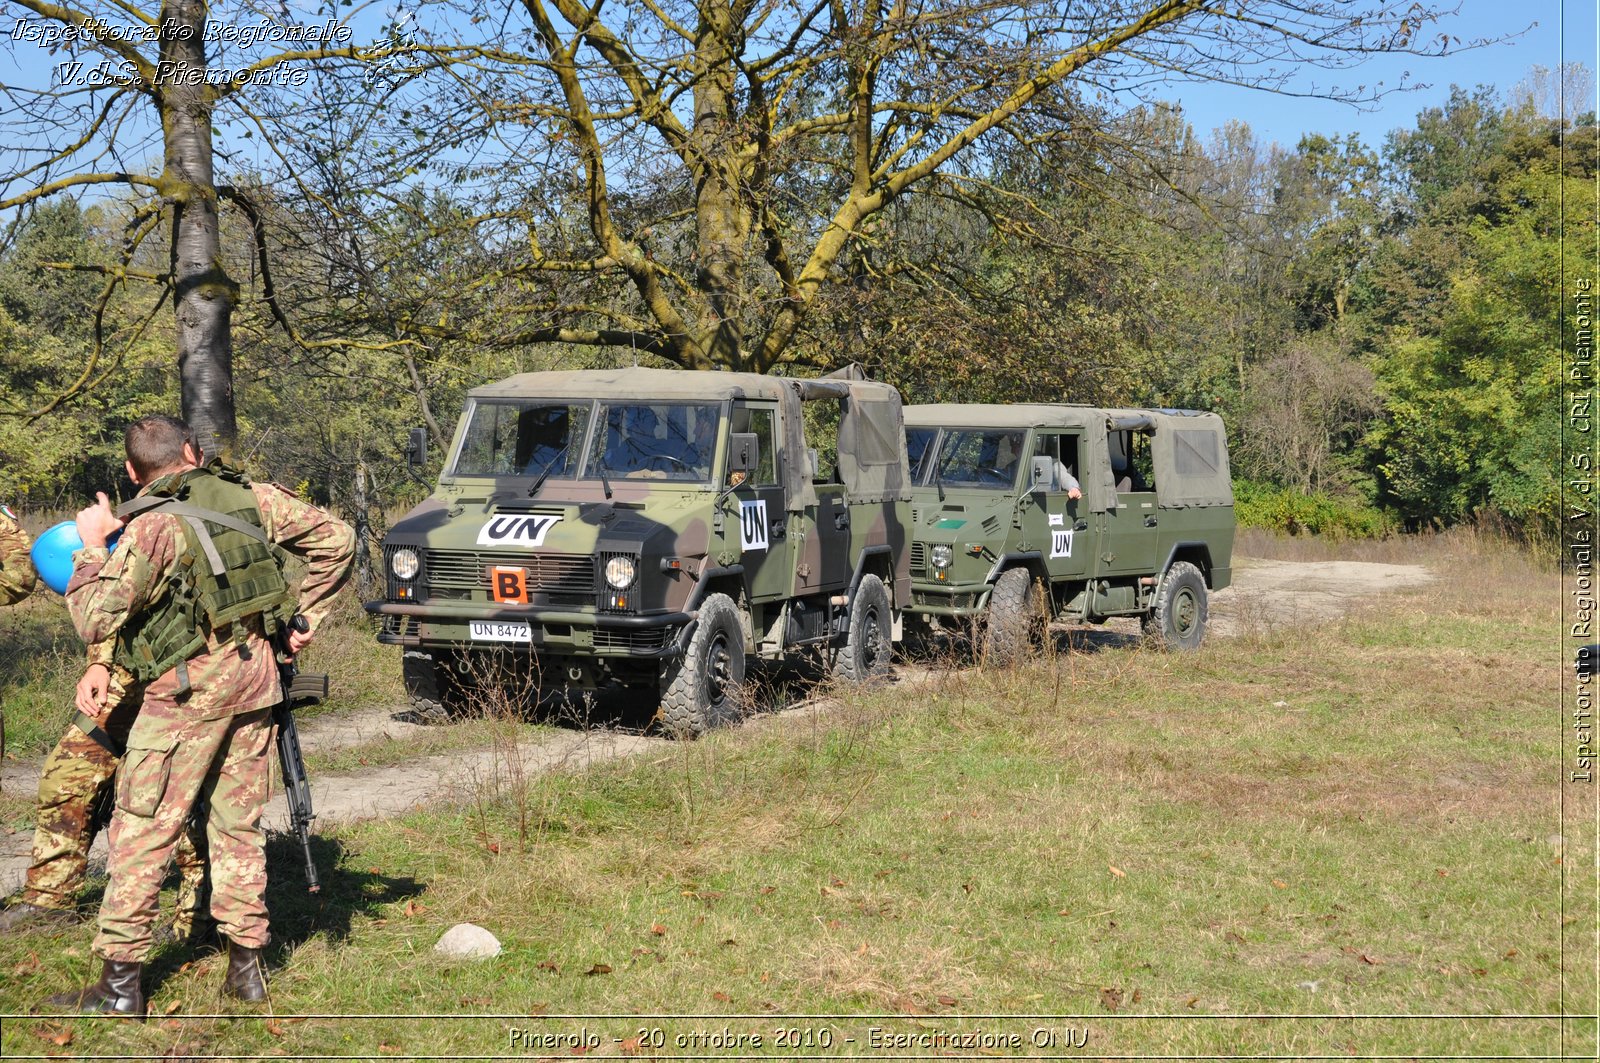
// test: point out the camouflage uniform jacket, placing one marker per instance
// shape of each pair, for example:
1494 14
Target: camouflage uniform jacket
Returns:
16 569
231 675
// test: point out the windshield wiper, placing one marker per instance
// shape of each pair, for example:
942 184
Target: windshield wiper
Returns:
938 478
544 474
600 467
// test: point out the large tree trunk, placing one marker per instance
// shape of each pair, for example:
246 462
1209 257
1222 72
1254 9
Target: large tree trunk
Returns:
721 215
204 293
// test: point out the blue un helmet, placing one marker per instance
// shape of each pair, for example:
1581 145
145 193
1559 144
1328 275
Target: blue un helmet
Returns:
52 553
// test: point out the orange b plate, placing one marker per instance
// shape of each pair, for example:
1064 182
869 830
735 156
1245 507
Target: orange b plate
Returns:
508 585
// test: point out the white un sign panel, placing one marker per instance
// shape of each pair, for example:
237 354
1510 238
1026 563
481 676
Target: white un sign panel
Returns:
753 524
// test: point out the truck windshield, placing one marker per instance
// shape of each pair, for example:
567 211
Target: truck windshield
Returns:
918 444
980 457
655 441
530 438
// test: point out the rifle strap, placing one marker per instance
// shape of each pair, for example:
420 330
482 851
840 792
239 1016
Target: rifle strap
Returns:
96 732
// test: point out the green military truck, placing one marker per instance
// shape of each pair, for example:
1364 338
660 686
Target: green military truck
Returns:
653 528
1031 513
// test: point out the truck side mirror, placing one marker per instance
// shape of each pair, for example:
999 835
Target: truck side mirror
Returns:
417 448
744 452
1042 475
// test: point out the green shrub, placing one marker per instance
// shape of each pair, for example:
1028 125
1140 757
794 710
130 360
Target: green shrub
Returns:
1285 509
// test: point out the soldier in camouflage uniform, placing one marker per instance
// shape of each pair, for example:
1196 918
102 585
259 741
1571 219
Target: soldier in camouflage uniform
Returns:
200 643
16 571
16 577
72 787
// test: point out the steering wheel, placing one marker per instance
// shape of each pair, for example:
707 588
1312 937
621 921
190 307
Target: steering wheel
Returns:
994 473
679 462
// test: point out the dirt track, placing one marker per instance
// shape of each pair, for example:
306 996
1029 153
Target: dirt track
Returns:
1264 593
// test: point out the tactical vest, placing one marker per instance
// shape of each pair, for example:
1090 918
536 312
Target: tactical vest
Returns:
228 572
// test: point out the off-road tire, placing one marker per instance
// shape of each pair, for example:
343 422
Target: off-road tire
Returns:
869 635
433 692
1015 624
702 689
1177 618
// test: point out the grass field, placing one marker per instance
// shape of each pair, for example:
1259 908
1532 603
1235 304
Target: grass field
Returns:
1299 842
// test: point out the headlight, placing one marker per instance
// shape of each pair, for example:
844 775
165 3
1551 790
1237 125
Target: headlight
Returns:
941 556
403 563
619 572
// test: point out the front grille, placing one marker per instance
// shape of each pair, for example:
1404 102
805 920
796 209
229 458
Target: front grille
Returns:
399 626
464 574
919 557
634 640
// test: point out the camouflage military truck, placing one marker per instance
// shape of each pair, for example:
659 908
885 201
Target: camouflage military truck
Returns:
997 536
654 528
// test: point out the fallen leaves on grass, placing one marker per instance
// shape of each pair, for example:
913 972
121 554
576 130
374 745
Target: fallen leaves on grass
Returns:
27 966
1110 998
274 1029
56 1035
599 968
722 998
550 965
1278 883
1236 938
413 909
657 929
1117 871
171 1009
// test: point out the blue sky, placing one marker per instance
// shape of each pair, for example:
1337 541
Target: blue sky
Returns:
1536 30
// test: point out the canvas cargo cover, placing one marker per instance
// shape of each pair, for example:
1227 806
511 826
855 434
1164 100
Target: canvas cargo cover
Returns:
872 445
635 383
1190 454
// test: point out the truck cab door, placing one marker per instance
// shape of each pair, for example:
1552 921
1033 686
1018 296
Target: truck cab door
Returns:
1057 523
758 504
1131 533
822 559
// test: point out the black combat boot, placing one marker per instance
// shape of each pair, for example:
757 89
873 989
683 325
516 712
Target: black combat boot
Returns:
118 992
247 974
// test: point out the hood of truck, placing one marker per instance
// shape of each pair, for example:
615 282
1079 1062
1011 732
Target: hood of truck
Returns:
965 515
659 522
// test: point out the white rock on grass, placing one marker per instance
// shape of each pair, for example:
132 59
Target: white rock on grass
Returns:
468 942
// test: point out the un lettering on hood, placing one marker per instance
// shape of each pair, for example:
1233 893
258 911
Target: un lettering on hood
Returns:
516 530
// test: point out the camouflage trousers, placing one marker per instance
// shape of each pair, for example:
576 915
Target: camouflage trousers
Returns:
72 783
172 760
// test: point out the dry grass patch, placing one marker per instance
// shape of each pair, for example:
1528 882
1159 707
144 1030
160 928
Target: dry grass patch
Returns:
912 979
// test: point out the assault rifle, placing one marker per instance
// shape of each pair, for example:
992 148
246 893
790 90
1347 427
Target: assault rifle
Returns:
298 689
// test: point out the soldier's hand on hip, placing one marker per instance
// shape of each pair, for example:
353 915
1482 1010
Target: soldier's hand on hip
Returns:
92 690
96 522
